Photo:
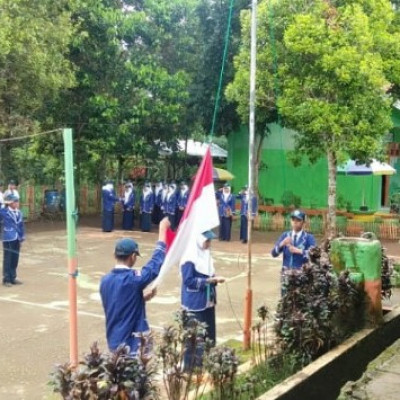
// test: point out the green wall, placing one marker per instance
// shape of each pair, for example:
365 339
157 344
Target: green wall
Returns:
309 181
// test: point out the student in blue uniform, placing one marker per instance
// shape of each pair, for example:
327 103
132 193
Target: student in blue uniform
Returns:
109 199
146 207
170 204
198 294
128 207
181 202
121 292
294 244
244 208
157 214
13 236
226 210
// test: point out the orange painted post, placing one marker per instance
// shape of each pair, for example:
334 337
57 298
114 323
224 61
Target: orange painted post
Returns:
71 238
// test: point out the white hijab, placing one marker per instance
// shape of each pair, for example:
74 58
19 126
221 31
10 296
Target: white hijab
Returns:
171 191
184 189
158 188
108 186
226 194
127 193
146 191
200 257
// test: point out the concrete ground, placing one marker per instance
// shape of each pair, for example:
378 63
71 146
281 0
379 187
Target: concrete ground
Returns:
34 326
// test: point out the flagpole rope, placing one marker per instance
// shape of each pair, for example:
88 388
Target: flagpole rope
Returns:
13 139
221 76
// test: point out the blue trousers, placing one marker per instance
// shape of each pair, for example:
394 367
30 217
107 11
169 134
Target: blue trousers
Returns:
128 218
108 221
10 260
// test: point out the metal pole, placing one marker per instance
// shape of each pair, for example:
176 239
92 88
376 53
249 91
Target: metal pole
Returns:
71 240
249 292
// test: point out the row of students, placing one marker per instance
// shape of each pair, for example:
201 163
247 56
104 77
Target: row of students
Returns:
165 200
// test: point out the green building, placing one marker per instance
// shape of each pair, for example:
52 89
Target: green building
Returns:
309 182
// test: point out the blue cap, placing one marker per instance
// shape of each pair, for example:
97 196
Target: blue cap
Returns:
227 184
298 215
209 235
11 198
126 247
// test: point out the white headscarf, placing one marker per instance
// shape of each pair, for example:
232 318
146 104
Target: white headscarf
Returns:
171 191
158 188
128 191
108 186
200 257
164 192
226 193
147 191
184 189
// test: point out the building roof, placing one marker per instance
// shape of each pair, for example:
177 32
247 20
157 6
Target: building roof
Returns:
195 149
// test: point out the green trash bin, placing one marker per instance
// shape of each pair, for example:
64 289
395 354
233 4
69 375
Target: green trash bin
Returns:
363 257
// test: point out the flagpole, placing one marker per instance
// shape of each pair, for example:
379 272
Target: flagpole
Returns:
249 291
71 241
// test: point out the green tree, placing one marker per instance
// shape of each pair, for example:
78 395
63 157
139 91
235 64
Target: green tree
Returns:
34 38
327 66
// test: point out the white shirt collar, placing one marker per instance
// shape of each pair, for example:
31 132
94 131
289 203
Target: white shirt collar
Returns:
121 266
299 233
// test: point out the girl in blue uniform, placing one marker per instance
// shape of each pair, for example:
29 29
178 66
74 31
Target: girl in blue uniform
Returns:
170 205
244 208
198 294
128 207
157 214
146 207
226 210
109 199
183 197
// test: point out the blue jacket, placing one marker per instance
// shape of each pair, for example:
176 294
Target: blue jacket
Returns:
194 289
109 199
130 204
225 206
170 204
13 225
146 204
244 205
304 242
121 292
182 200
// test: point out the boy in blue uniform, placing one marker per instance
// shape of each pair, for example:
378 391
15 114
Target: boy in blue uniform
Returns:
121 292
109 199
146 207
128 207
13 236
244 208
294 244
226 210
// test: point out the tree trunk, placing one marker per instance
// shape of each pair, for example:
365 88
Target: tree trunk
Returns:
331 217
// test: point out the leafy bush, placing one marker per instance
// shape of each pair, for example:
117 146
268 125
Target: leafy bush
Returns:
317 309
107 376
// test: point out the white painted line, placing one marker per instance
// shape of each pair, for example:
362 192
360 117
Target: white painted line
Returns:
52 307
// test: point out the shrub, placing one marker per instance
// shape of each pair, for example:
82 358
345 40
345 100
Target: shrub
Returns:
107 376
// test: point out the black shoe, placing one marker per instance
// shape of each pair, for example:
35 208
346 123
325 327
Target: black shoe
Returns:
7 284
17 282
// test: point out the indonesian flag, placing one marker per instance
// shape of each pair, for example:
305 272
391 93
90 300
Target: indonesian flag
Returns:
201 214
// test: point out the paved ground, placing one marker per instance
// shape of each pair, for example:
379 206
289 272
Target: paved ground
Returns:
34 317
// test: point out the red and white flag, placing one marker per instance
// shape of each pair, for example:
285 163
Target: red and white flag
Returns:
201 214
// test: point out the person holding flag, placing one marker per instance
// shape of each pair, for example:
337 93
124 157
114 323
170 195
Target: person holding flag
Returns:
198 294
